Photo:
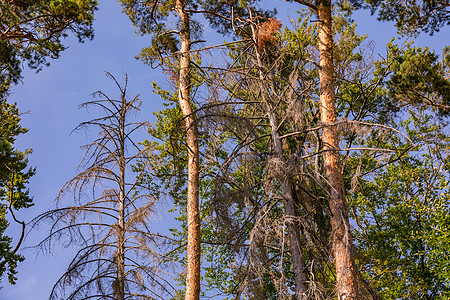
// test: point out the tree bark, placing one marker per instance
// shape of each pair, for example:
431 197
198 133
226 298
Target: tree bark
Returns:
120 259
346 275
193 211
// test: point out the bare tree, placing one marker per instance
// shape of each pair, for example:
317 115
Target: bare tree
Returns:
118 255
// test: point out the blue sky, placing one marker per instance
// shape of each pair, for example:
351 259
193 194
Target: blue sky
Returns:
53 95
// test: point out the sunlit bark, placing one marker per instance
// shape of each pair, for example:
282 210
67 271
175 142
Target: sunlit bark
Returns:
193 213
346 275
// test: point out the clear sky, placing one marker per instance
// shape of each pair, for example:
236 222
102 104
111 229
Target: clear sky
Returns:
53 95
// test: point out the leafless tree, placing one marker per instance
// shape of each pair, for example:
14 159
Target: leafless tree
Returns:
118 255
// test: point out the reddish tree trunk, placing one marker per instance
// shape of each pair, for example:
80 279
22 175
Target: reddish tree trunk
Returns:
193 211
347 279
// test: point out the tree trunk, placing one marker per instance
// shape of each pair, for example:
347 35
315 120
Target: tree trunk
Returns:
297 260
120 259
193 213
346 275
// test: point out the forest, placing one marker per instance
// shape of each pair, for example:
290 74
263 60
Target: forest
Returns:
285 156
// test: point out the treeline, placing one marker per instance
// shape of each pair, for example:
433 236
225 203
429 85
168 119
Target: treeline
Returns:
297 164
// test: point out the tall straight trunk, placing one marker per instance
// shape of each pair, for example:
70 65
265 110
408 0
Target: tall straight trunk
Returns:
193 211
120 260
297 260
346 275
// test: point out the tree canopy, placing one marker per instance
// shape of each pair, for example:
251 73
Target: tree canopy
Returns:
14 194
31 31
410 17
295 162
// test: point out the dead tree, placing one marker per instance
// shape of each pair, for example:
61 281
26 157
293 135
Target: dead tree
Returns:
260 89
109 220
295 244
271 114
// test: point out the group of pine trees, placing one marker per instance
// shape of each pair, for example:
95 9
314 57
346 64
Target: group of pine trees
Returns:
297 164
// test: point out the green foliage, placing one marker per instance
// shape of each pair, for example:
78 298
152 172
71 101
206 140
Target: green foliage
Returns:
159 20
31 30
167 173
418 78
410 77
14 195
402 211
399 199
410 16
244 250
9 63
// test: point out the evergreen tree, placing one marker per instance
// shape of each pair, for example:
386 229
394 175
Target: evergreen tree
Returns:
410 17
14 195
31 30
